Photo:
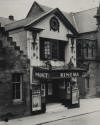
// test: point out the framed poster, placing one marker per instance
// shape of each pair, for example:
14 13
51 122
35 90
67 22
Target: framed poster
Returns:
75 96
36 98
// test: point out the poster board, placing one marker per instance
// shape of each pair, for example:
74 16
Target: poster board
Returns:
75 96
36 98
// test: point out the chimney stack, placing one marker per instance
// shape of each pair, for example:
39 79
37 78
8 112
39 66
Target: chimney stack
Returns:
11 17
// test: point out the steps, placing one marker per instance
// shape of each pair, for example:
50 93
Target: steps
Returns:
55 107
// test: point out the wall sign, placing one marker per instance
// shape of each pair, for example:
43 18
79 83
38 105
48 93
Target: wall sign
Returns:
42 74
69 74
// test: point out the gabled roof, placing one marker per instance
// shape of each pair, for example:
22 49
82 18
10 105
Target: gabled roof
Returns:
35 10
58 13
4 21
82 22
43 11
20 23
85 20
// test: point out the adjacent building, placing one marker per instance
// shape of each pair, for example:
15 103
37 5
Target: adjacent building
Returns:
14 78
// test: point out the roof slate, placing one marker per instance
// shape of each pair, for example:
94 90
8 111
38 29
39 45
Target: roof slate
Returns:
20 23
5 21
85 20
28 20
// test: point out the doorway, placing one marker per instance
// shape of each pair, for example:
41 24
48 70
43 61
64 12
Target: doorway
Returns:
52 92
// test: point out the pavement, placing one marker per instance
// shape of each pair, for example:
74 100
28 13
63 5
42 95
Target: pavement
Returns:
86 106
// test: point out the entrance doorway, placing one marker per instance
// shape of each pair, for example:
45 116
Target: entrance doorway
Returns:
52 92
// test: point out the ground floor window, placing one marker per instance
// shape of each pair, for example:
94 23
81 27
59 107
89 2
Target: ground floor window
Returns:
17 86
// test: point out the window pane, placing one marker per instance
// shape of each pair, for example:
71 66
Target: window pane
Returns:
79 48
47 49
17 91
54 50
61 50
17 86
14 90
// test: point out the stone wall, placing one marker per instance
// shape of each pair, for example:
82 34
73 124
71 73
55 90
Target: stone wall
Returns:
14 61
93 71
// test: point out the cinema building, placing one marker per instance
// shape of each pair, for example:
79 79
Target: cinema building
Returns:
48 40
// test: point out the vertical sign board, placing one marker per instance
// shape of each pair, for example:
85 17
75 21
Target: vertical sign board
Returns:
36 98
75 96
68 90
50 89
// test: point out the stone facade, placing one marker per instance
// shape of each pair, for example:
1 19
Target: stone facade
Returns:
89 84
12 60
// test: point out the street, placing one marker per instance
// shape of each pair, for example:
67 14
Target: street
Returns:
87 119
87 114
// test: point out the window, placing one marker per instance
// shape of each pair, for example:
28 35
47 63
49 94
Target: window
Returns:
92 51
52 49
87 46
47 49
79 50
55 50
17 86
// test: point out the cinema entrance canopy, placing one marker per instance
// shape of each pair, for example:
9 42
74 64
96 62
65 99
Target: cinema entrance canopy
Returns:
56 73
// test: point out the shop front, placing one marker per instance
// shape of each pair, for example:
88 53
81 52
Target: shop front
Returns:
54 85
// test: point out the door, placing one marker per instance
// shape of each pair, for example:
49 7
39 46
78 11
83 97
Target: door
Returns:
52 92
49 92
56 92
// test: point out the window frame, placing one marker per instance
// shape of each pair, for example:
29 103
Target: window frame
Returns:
51 41
14 83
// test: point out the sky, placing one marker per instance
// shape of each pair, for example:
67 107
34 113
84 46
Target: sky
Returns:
20 8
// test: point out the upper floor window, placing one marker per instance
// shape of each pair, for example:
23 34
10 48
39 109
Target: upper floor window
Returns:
52 49
79 50
47 50
87 49
17 86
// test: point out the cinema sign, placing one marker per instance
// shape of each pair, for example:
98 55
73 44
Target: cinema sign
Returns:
43 74
69 74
